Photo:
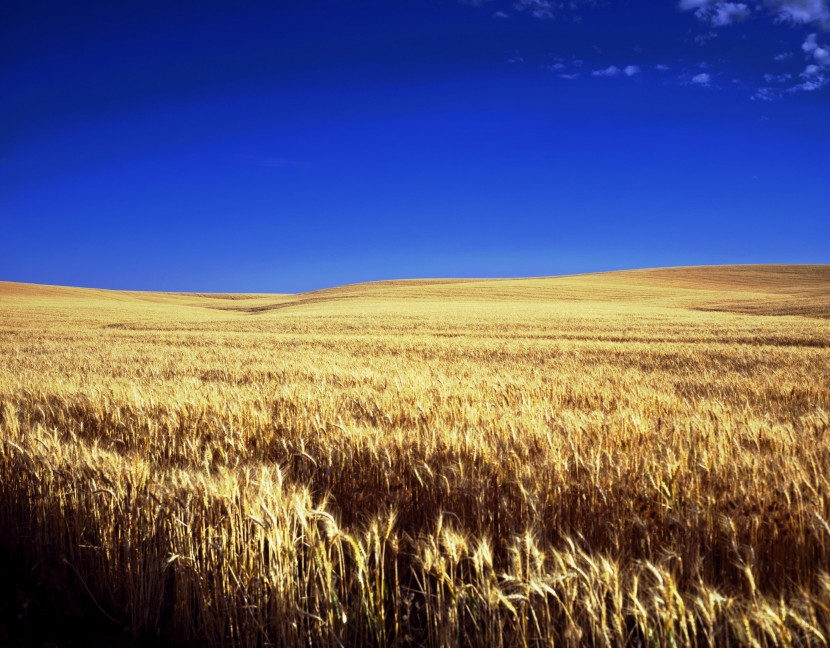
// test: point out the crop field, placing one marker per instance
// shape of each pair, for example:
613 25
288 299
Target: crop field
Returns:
636 458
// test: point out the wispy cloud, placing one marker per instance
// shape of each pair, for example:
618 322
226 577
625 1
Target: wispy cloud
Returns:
799 12
720 14
778 78
715 17
564 68
543 9
813 78
766 94
553 9
614 71
817 73
802 11
702 39
820 54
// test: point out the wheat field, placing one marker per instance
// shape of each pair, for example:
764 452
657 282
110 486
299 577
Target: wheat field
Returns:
629 458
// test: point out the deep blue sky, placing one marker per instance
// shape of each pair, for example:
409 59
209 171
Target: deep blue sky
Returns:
285 146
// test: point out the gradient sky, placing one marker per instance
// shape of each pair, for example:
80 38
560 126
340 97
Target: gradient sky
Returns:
284 146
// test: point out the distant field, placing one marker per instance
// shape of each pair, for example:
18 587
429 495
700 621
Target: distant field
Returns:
634 457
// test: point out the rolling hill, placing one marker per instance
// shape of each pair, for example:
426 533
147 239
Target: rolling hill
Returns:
800 290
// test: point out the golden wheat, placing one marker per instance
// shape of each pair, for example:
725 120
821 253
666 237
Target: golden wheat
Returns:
628 458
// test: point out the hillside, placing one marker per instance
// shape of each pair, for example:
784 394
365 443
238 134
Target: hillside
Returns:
802 290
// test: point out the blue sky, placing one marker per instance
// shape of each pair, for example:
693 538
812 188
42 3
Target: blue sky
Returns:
286 146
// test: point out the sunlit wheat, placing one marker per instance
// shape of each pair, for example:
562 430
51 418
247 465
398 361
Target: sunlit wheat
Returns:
631 458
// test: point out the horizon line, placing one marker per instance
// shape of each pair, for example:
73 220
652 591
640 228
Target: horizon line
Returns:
413 279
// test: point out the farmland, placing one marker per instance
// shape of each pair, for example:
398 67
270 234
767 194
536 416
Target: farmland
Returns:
620 458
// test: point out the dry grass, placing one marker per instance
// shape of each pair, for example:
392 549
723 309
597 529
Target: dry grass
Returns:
634 457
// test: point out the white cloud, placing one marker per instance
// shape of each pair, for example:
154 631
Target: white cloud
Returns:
766 94
810 44
721 14
661 67
704 79
801 11
537 8
614 71
820 54
552 9
817 73
702 39
814 77
729 12
610 71
575 75
501 14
